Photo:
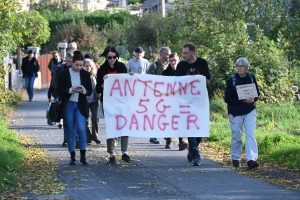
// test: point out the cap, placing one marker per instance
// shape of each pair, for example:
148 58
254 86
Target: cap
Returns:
139 50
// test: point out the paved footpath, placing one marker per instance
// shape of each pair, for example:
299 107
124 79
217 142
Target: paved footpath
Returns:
155 173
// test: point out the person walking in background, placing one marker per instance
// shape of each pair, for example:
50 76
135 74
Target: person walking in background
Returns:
90 56
30 67
74 84
242 113
52 66
191 65
65 66
171 71
72 47
93 105
112 66
157 68
138 64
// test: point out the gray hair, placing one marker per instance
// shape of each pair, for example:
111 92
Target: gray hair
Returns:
242 61
164 49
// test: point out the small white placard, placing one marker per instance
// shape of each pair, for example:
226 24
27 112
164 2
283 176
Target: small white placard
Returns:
246 91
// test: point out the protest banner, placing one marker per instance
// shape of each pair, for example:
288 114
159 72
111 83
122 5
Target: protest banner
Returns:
145 105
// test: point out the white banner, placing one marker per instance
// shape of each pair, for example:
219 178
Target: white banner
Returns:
246 91
156 106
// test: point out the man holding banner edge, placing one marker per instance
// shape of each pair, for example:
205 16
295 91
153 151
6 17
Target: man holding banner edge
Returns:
191 65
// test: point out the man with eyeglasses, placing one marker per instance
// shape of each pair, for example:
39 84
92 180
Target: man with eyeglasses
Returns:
191 65
157 68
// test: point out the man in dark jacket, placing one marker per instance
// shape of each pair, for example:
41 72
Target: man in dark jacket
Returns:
30 67
191 65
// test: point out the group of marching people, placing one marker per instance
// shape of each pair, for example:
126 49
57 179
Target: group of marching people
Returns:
80 85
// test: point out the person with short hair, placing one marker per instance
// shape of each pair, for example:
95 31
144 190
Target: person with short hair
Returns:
171 71
30 67
54 63
191 65
74 85
112 65
242 113
138 64
157 68
72 47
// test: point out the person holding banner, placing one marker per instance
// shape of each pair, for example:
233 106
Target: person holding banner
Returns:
191 65
171 71
242 112
112 66
157 68
74 85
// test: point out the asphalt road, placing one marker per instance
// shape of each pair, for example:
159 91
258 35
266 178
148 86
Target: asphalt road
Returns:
155 173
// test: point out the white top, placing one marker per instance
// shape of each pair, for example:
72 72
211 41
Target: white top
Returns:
138 66
75 80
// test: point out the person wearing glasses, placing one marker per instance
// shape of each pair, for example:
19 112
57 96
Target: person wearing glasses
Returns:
30 67
242 113
112 65
157 68
74 85
191 65
92 100
171 71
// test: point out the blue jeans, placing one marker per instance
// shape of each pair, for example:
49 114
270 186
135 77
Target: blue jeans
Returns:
75 123
193 146
29 81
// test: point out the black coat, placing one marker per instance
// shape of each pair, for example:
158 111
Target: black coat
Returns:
119 67
64 84
31 69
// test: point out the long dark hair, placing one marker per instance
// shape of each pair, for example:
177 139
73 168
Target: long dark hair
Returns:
77 56
110 48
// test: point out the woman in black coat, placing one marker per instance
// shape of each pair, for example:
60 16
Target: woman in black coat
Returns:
112 66
73 85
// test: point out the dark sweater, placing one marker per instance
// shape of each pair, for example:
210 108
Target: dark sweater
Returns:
169 71
235 106
119 67
198 67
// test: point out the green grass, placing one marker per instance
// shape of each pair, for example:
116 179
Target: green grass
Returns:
11 157
277 133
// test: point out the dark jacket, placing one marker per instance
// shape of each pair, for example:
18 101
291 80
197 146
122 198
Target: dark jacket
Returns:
30 67
64 84
235 106
169 71
119 67
53 65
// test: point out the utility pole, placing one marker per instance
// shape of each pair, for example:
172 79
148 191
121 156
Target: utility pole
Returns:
163 8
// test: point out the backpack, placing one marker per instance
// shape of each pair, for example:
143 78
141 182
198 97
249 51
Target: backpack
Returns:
234 80
154 68
55 76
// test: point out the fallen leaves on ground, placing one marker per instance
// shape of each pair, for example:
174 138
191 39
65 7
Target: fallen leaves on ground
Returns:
272 172
38 173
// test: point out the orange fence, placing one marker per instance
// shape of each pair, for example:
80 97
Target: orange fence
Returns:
45 72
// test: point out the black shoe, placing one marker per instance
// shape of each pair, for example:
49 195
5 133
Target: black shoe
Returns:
73 160
252 164
190 157
112 160
182 146
196 162
82 157
59 125
236 163
97 141
64 144
126 158
154 141
77 146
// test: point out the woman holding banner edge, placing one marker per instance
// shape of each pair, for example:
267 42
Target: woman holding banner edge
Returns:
112 65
